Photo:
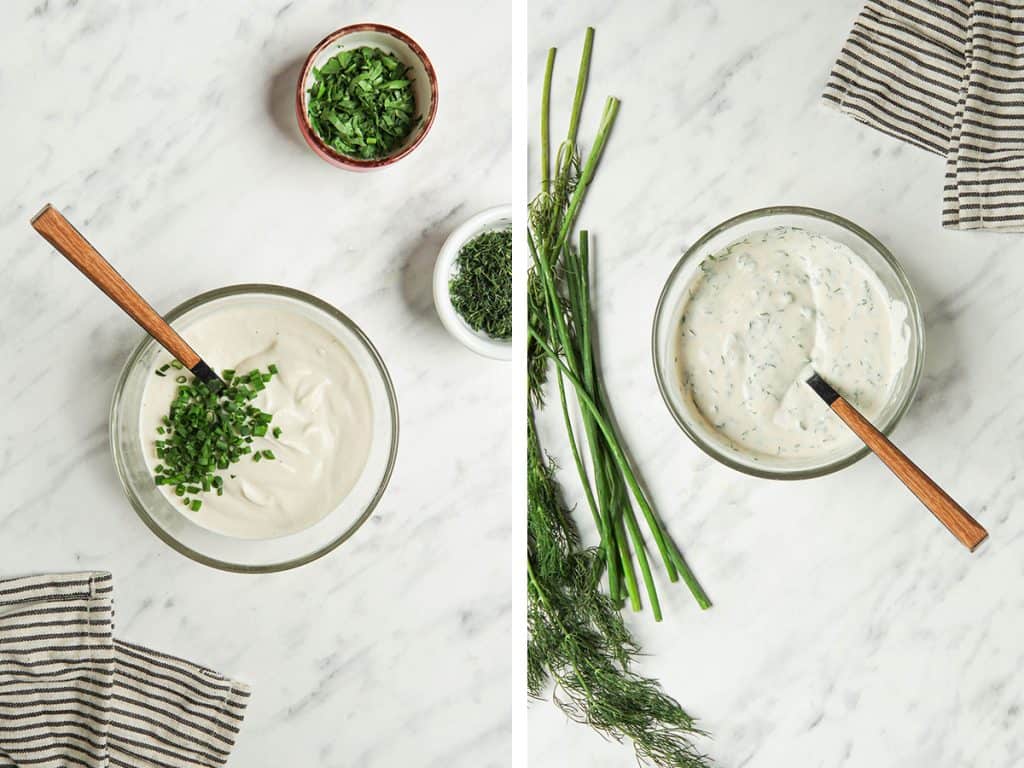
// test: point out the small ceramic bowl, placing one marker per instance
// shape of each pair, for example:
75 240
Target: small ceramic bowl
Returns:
445 268
389 40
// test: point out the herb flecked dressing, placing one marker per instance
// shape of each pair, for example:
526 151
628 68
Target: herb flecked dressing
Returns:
764 312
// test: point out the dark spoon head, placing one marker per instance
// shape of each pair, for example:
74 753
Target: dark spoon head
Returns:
206 374
823 388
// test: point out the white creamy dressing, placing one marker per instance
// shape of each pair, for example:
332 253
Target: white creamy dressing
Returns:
766 310
319 399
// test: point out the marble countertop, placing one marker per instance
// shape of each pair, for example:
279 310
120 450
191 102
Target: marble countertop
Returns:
849 628
166 132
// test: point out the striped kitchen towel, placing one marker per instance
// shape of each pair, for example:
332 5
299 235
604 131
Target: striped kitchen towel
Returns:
71 695
946 76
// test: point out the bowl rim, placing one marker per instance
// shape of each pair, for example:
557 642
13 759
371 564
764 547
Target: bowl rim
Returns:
236 290
914 316
496 349
311 136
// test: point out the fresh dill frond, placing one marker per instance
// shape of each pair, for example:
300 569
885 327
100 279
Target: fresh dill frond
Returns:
578 642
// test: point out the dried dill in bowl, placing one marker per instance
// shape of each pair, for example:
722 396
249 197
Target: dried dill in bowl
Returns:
481 286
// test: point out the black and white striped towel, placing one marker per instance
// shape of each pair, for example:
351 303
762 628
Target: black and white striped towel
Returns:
947 76
71 695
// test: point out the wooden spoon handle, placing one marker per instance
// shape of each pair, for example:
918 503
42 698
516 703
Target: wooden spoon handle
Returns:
69 242
950 514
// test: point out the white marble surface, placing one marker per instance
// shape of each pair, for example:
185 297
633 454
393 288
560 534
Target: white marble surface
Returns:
849 629
166 132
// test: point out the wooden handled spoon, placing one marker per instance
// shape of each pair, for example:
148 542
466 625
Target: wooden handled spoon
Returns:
950 514
68 241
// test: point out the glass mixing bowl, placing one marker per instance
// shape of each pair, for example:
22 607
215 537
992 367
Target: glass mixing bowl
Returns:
668 316
171 523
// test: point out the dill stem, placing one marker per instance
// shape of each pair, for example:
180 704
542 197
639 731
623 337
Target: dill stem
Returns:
557 321
593 387
577 458
545 123
577 274
628 574
553 303
578 305
581 85
672 557
584 318
641 555
567 149
603 525
620 501
587 174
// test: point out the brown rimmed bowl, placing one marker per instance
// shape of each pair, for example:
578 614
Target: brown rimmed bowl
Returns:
389 40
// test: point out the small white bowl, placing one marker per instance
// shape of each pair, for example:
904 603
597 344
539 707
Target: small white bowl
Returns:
445 268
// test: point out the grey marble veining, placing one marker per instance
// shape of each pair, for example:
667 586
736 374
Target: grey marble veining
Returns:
849 629
166 132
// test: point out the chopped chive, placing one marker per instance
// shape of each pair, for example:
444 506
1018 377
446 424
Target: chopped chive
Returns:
196 504
277 432
267 454
176 364
206 431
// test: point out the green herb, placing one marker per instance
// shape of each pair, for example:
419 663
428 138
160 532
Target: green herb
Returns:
561 330
361 103
576 636
481 290
206 431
